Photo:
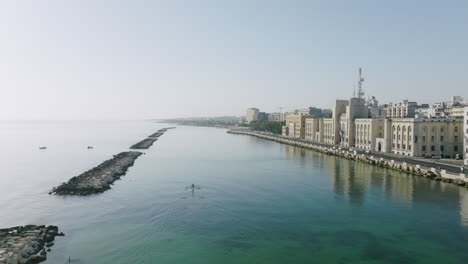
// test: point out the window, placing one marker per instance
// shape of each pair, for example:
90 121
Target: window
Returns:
455 130
409 147
432 148
441 138
442 130
455 148
432 138
424 138
415 139
441 148
456 138
398 145
423 148
433 129
404 146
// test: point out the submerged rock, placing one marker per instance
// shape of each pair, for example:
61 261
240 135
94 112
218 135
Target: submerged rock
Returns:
100 178
26 244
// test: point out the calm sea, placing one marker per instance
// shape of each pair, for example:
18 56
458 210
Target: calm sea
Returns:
257 202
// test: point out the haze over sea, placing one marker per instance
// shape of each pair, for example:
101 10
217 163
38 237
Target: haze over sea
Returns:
258 202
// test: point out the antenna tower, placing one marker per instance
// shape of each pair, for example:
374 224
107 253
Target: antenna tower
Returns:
360 81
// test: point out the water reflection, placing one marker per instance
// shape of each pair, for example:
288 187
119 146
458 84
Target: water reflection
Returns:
359 183
464 207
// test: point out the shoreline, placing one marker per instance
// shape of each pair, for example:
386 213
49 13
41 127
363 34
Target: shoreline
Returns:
413 169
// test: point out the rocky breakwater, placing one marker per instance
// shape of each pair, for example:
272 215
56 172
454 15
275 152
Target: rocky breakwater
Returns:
100 178
145 143
26 244
149 141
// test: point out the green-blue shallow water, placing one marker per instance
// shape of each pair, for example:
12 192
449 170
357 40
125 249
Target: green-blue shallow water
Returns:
258 202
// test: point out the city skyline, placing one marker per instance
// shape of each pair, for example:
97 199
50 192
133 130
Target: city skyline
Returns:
92 60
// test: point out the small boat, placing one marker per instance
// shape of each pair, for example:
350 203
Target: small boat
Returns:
90 147
42 147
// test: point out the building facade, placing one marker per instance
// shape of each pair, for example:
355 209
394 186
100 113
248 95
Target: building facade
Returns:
426 137
252 114
329 131
262 116
296 125
403 109
367 132
465 140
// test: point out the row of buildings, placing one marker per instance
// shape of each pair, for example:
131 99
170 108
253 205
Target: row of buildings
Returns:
404 128
392 128
254 114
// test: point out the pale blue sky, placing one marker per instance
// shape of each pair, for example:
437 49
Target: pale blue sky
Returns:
155 59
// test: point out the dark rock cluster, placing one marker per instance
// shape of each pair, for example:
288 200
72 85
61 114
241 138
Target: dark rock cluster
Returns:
26 244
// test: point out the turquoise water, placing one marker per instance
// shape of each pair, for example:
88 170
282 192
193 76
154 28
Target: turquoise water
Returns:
258 202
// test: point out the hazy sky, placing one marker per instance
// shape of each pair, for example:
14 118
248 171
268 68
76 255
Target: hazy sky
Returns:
155 59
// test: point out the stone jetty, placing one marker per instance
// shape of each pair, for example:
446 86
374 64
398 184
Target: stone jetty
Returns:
26 244
157 134
148 142
100 178
145 143
433 173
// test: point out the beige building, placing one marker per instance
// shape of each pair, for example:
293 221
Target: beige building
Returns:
356 108
367 132
313 131
425 137
252 114
296 125
465 132
285 131
328 131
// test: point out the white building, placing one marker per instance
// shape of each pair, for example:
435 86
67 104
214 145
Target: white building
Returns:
277 117
403 109
252 114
